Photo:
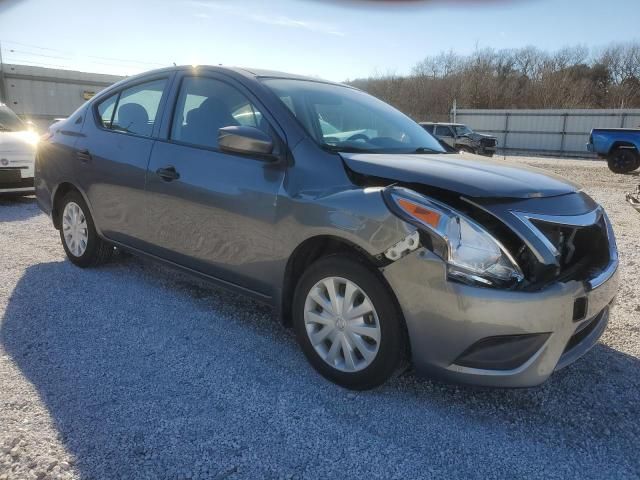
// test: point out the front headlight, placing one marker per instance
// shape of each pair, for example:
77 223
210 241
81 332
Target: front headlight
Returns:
472 254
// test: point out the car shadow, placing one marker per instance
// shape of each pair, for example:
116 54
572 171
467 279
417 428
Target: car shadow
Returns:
16 209
147 373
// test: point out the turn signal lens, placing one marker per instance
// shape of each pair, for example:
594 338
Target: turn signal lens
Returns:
423 214
471 252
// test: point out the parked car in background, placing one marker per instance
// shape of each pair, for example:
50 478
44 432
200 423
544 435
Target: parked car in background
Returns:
17 154
373 243
620 146
462 138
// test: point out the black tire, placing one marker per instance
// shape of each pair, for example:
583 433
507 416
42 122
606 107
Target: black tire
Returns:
623 160
97 250
391 355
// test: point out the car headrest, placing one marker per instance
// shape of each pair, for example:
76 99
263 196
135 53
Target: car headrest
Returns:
133 117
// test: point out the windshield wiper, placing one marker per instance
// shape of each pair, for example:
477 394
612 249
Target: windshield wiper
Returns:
345 149
426 150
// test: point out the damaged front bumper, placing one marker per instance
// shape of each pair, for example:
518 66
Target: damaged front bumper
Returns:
494 337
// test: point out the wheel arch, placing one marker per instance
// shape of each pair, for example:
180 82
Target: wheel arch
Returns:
314 248
309 251
60 191
622 144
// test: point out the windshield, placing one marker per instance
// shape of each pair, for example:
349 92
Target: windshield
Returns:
344 119
9 121
462 130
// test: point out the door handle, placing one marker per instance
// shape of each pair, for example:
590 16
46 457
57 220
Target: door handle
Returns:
168 173
84 155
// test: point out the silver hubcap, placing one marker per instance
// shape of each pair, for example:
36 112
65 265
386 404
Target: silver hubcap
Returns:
74 229
342 324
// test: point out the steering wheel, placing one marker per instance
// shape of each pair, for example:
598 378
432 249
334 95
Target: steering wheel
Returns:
358 136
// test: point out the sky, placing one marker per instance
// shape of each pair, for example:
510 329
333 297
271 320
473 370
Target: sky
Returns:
329 39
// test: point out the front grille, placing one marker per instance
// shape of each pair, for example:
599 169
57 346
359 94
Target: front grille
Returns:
488 142
582 251
16 183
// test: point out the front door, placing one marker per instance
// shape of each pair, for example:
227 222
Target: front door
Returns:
444 132
208 210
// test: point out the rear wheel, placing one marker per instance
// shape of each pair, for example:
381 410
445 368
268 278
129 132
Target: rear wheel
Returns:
347 323
623 160
79 238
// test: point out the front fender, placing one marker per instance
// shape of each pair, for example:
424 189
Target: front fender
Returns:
357 215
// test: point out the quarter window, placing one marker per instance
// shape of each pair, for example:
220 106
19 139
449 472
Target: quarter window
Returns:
105 110
206 105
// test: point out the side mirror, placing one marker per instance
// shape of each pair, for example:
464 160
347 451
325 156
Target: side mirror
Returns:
246 140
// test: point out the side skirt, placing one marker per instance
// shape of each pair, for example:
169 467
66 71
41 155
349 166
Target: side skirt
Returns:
233 287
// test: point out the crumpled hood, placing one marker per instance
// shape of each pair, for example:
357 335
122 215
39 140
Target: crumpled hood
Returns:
479 136
469 176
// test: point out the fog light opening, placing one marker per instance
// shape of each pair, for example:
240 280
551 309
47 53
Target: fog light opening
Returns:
579 309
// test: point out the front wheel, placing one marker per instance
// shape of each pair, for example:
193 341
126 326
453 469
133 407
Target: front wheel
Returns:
79 238
623 160
347 323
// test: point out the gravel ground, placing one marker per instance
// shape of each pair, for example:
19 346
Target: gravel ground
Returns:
134 371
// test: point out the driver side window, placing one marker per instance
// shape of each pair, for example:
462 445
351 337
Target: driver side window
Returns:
443 131
205 105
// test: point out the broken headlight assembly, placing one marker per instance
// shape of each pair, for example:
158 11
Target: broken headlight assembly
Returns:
472 254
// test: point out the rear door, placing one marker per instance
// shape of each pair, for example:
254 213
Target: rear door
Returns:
209 210
113 154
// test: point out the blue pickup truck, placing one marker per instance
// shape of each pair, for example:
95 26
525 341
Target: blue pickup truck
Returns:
620 146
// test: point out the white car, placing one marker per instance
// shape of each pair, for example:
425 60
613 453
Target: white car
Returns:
17 154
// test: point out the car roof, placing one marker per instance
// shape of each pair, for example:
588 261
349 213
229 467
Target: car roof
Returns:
249 73
245 71
443 123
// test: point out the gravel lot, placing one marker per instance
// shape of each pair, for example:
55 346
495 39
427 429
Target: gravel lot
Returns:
135 371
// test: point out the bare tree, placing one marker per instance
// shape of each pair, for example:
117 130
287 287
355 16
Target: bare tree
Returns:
572 77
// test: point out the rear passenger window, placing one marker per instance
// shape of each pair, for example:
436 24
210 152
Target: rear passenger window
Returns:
105 110
206 105
136 108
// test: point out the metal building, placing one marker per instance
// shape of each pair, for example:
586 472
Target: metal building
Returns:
563 133
44 94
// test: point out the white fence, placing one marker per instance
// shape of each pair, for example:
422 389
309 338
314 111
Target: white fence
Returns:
546 132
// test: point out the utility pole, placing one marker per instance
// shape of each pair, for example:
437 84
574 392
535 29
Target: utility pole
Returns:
3 90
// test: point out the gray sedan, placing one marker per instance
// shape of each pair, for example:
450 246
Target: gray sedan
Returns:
377 246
